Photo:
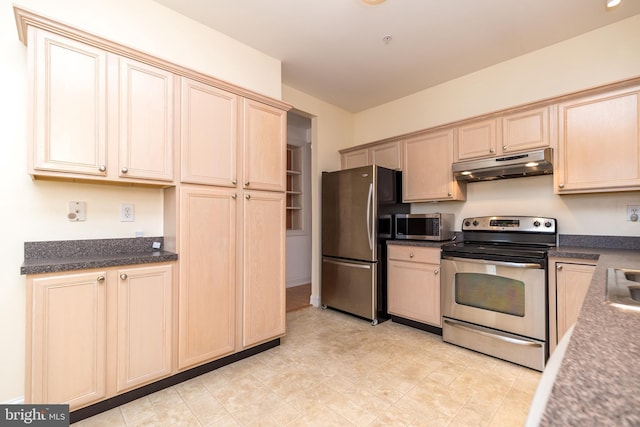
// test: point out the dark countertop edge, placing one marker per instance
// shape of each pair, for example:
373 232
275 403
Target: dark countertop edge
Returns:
54 265
598 378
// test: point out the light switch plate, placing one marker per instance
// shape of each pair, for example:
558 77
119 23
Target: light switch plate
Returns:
76 211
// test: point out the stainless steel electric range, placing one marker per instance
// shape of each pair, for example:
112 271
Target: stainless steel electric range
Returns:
494 287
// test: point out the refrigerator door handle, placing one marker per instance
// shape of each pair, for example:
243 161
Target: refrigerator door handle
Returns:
369 219
346 264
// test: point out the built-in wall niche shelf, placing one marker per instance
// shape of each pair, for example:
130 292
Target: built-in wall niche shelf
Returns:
294 187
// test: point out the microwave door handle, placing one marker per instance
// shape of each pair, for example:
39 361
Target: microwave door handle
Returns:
369 219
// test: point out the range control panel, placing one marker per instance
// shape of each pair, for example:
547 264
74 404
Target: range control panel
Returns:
522 224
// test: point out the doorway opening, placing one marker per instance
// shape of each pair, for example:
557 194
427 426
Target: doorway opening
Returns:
298 274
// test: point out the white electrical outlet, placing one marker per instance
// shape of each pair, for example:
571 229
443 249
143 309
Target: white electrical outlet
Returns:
633 213
127 212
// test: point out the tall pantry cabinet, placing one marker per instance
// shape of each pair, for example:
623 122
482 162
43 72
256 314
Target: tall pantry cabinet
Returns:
229 226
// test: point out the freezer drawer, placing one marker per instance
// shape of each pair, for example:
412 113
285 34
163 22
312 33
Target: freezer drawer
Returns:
350 286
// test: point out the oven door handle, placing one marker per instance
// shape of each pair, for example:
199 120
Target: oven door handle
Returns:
501 263
511 340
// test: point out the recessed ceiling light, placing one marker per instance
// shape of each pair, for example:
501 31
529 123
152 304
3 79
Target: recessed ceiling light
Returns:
375 2
612 3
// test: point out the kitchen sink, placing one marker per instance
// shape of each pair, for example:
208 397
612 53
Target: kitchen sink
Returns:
623 288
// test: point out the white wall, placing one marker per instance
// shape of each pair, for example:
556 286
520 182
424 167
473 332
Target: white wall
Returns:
36 210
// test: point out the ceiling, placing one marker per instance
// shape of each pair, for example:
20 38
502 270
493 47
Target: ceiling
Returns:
335 50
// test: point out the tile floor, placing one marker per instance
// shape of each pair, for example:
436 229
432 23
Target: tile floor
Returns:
333 369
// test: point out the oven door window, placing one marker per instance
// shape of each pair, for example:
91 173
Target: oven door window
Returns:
490 292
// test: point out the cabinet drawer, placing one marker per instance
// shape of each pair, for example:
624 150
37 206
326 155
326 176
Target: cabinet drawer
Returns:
414 253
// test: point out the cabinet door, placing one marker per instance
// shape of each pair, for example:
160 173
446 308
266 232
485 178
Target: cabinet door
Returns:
263 267
209 135
572 284
387 155
598 147
525 130
355 159
478 139
207 296
264 147
427 174
144 325
68 103
414 291
146 121
68 327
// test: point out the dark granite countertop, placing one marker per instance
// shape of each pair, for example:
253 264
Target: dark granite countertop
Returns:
69 255
598 381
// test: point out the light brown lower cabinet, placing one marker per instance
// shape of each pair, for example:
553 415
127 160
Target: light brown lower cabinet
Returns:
413 288
569 281
93 334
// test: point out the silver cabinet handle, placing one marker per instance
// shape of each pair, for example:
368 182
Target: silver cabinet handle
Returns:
235 196
411 255
124 169
248 196
559 267
496 336
561 185
436 272
102 168
123 276
489 262
491 150
100 279
246 183
234 182
505 148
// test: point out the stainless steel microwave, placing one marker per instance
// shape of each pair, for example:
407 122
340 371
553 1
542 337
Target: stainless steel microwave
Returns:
434 226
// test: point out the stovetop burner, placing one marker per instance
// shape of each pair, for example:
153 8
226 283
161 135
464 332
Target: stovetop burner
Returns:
497 237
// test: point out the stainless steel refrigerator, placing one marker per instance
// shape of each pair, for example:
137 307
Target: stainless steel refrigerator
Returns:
357 219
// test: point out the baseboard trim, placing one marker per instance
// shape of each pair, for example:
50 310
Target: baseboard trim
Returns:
121 399
315 300
417 325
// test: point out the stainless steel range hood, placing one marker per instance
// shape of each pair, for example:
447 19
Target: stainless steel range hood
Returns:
518 165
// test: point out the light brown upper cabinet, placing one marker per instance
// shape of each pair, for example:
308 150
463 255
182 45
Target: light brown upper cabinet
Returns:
96 115
477 139
264 145
147 111
386 154
68 106
427 174
599 143
509 133
526 130
354 159
209 135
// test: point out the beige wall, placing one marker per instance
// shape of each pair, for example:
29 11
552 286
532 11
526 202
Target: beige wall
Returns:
36 210
602 56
